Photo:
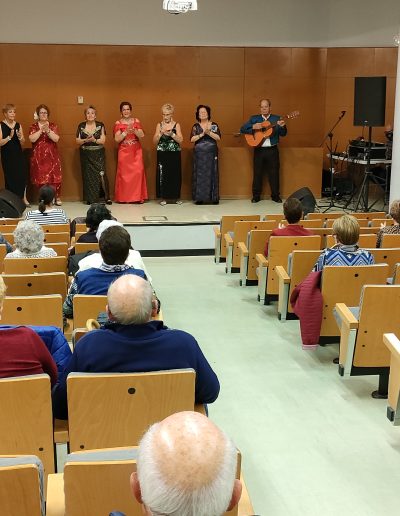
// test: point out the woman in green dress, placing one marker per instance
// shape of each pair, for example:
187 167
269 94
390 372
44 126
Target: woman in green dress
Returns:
91 136
167 138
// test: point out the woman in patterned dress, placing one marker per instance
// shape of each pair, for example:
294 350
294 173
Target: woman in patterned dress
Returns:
130 182
205 135
45 166
168 137
91 136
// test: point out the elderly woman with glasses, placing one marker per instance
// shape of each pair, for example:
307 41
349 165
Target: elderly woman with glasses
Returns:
29 240
45 166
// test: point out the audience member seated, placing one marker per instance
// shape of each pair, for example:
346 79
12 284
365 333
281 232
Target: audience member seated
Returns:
186 465
132 342
95 214
293 211
29 240
114 244
9 247
94 260
346 231
46 213
22 351
394 212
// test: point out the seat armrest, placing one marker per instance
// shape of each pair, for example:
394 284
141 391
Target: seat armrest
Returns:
346 316
243 249
228 239
282 274
262 261
217 231
55 505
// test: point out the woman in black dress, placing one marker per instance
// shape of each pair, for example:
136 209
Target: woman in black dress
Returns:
91 136
168 137
12 158
205 135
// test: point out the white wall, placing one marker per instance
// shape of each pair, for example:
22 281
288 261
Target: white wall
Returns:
217 22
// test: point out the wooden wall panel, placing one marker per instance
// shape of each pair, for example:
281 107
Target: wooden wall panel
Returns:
318 82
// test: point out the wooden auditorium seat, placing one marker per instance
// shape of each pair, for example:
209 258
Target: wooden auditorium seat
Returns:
364 240
226 225
239 234
97 482
343 285
273 216
83 247
9 222
396 274
362 351
114 409
393 409
36 284
52 238
378 222
256 240
26 418
33 310
21 486
87 307
391 256
389 240
279 248
56 228
3 252
300 264
32 265
61 248
324 216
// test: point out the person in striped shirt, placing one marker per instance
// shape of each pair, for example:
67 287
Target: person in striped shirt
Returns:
46 212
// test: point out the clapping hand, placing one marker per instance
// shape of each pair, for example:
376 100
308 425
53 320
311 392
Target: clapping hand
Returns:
383 225
45 128
12 133
19 134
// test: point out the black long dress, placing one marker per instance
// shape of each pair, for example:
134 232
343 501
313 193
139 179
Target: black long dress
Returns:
205 179
169 175
13 161
93 165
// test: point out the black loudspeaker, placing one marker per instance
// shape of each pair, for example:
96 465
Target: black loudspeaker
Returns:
369 101
11 206
307 199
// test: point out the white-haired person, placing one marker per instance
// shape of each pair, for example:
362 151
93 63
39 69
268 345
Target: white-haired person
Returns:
29 242
132 342
22 351
394 212
186 466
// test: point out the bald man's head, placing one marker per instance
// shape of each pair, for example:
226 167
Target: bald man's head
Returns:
186 466
129 300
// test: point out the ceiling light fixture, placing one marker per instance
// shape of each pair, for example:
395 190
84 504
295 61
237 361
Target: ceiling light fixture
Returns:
179 7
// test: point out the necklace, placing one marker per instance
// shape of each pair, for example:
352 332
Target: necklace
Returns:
9 124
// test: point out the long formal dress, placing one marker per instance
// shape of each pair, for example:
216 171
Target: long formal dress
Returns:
13 162
45 166
169 175
130 182
205 179
93 165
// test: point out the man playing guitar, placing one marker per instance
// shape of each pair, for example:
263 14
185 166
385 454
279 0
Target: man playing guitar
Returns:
266 154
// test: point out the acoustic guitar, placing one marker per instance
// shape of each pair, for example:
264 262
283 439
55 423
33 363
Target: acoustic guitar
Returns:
257 136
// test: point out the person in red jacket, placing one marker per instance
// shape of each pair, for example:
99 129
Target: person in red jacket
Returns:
293 211
22 351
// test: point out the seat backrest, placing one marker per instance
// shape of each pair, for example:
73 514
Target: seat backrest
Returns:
31 265
379 314
386 255
325 216
302 263
389 240
369 215
36 284
61 248
273 216
108 410
87 307
26 418
396 274
227 225
51 238
97 482
343 285
378 222
80 227
323 233
363 241
279 248
34 310
9 222
21 486
82 247
56 228
256 244
240 231
3 252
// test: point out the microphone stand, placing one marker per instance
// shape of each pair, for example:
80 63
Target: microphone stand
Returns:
331 169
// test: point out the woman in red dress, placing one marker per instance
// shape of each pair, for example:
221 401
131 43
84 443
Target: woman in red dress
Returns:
45 167
130 182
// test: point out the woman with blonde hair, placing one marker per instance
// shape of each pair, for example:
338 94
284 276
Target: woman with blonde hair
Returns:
346 231
167 138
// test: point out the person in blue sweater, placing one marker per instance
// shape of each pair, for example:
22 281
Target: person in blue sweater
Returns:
114 245
131 342
266 155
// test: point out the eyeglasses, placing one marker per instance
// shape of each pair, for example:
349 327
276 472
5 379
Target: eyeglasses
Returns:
42 112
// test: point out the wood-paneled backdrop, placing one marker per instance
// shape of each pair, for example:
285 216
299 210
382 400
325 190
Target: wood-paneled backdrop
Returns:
319 82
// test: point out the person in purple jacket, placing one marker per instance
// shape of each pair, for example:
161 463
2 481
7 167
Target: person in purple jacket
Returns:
131 342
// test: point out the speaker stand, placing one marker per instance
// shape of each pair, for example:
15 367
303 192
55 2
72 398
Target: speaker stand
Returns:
329 135
363 196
